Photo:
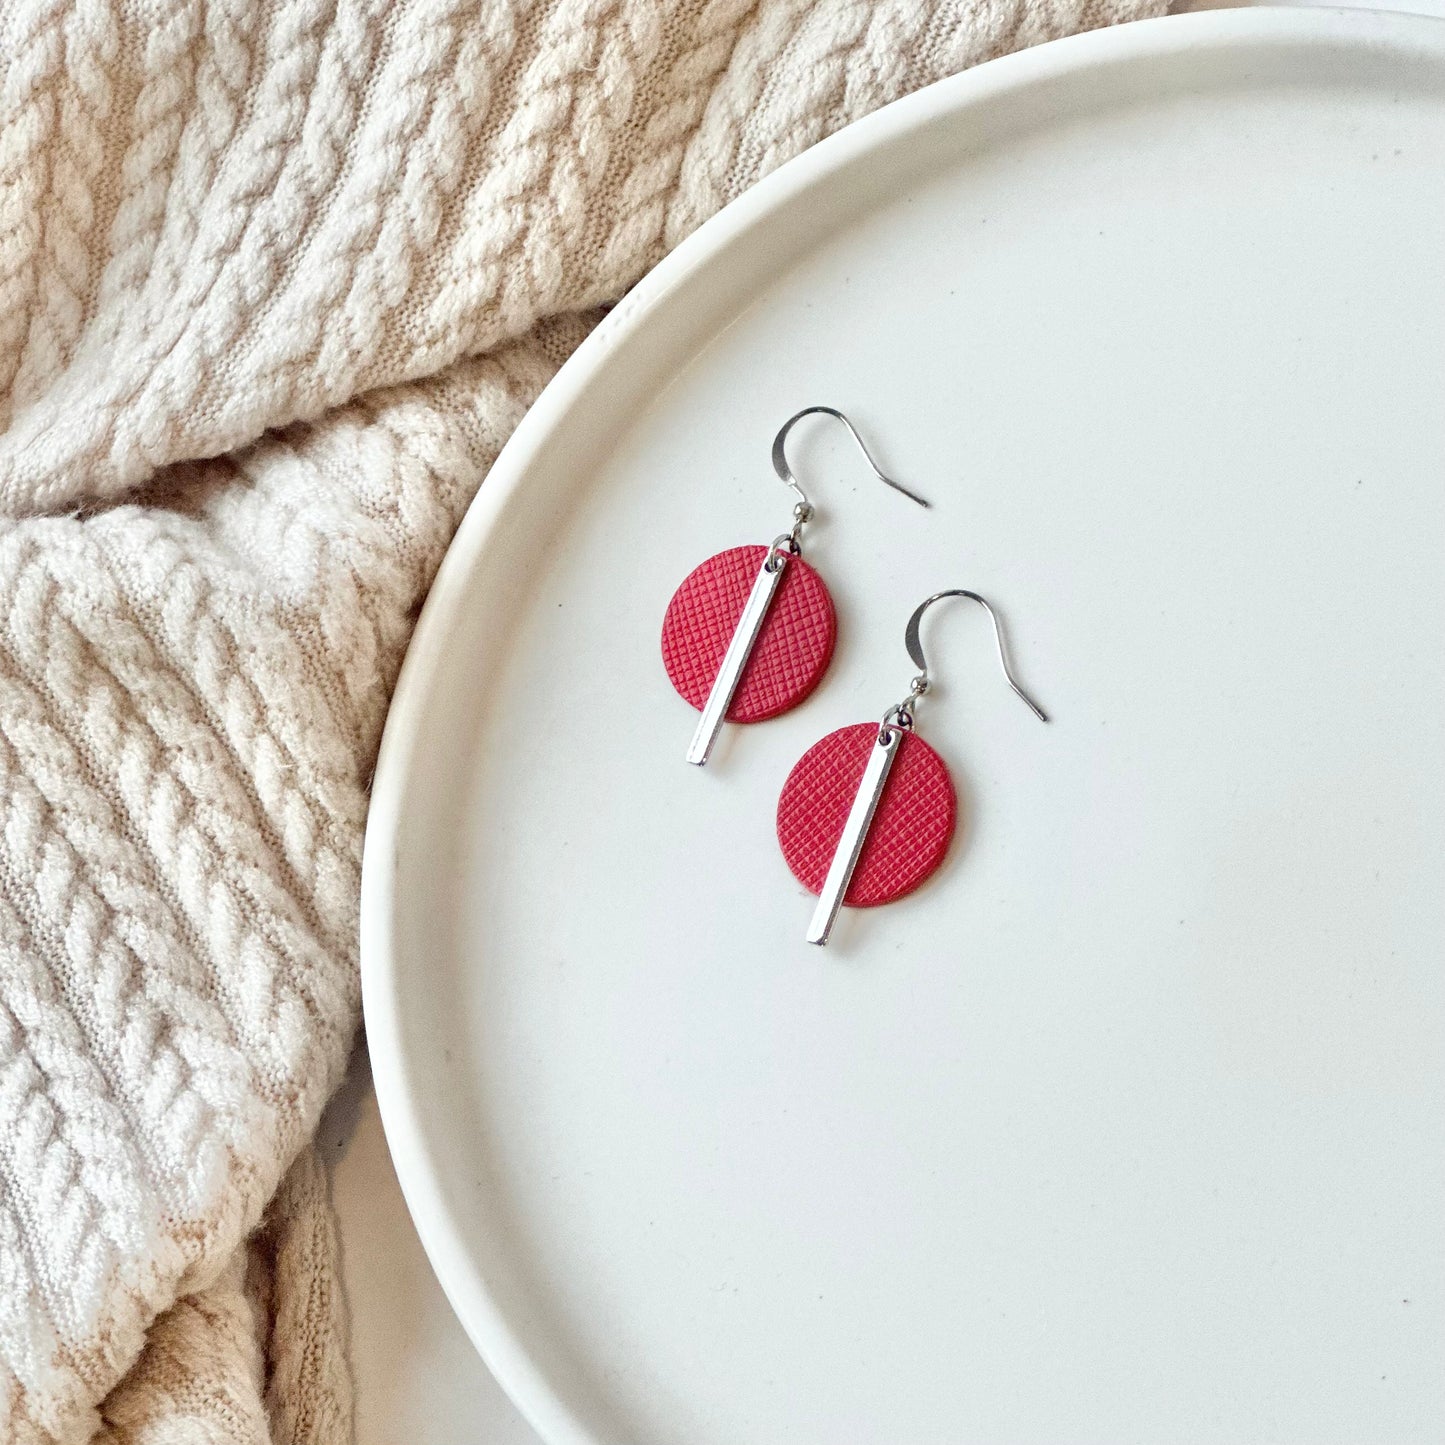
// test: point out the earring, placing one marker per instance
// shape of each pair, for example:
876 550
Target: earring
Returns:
868 812
750 632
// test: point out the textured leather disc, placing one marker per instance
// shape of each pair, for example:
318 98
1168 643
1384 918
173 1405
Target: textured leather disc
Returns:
792 651
910 832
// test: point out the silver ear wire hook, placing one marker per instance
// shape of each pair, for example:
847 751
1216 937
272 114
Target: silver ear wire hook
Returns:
914 643
785 472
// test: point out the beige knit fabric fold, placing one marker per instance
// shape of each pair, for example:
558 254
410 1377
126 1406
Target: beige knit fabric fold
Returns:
257 1356
336 247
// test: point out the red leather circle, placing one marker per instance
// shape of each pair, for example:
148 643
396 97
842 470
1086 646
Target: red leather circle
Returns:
910 832
792 651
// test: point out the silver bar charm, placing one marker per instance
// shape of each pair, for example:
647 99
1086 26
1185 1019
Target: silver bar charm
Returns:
725 684
855 833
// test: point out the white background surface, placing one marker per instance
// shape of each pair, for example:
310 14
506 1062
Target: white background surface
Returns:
417 1377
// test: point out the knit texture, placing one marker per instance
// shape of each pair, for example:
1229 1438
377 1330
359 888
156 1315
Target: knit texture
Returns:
277 280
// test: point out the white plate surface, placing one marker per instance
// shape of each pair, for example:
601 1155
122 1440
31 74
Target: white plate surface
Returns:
1130 1126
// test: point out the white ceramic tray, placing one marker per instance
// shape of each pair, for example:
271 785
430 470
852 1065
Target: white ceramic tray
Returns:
1130 1126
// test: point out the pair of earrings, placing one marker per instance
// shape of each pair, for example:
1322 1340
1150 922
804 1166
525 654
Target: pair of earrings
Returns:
868 812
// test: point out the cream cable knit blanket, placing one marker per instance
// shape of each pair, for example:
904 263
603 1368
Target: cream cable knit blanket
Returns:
277 279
